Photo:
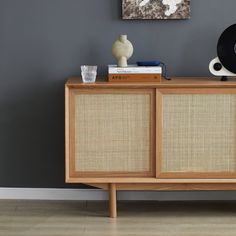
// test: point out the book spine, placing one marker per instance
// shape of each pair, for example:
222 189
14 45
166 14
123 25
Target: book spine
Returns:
134 78
135 70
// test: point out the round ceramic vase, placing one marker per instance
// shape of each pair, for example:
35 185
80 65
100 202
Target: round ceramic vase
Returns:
122 50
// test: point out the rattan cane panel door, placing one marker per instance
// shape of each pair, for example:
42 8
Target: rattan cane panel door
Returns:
199 134
113 133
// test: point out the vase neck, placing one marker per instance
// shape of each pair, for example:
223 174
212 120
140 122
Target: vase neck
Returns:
123 38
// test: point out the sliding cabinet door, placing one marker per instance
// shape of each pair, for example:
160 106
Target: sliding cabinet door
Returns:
111 133
196 133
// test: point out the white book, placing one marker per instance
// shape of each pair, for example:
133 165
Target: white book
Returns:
134 69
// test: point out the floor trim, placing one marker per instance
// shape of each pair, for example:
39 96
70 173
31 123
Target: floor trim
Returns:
94 194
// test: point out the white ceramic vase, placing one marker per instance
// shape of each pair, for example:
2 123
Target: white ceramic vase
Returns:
122 50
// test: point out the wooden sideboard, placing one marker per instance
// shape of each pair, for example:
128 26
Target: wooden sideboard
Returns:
173 135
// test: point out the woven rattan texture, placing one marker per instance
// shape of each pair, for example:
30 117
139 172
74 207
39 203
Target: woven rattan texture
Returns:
199 133
112 132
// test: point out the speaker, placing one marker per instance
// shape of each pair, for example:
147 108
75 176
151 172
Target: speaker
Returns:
224 64
217 69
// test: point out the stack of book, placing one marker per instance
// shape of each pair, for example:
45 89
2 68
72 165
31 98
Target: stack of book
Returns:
134 73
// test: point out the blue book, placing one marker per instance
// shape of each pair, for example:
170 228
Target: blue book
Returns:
148 63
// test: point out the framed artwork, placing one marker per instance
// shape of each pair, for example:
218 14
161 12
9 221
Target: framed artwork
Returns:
155 9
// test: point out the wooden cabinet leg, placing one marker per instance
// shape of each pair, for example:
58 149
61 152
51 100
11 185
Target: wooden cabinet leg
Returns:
112 200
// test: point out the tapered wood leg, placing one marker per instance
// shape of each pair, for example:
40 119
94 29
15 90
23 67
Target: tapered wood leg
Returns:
112 200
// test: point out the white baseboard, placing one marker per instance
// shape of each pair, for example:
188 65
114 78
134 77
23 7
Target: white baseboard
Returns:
94 194
52 194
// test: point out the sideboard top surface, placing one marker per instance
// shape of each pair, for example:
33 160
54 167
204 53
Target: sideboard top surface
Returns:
175 82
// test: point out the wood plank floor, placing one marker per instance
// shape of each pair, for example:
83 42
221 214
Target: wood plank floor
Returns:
57 218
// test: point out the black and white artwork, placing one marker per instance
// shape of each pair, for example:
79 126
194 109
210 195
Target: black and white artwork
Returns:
156 9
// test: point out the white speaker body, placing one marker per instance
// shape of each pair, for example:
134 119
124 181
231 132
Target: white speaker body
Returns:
222 72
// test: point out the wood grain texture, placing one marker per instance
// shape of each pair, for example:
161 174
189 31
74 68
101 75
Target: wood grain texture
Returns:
169 186
67 132
176 82
177 187
112 201
159 132
142 180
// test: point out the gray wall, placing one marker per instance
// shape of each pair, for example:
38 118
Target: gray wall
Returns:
42 42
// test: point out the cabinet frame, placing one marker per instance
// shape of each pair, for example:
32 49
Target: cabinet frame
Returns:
159 133
159 181
71 172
